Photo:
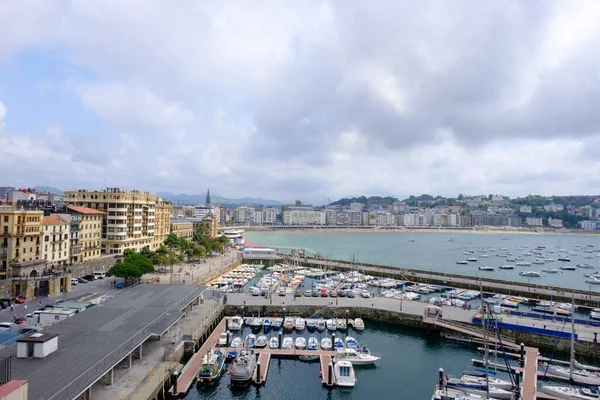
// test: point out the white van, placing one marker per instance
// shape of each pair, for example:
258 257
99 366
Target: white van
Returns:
99 275
74 281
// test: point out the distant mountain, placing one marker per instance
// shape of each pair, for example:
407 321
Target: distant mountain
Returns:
194 199
46 189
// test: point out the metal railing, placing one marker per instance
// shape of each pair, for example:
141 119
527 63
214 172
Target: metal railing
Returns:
91 375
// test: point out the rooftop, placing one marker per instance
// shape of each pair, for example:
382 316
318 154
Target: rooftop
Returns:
85 210
53 220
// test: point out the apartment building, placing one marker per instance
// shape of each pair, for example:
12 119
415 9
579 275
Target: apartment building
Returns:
55 249
20 237
533 221
130 216
244 215
182 229
89 232
303 215
162 222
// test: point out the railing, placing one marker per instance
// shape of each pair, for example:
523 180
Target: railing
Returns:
40 277
83 381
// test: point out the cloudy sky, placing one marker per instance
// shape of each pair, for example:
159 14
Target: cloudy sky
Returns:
310 99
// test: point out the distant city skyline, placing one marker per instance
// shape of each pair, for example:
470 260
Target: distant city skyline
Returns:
310 100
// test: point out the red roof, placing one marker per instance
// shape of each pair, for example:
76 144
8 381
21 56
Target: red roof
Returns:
53 220
85 210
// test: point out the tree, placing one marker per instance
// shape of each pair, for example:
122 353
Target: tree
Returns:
461 197
172 241
126 271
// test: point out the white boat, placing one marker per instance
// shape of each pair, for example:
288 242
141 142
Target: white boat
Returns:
300 343
287 343
570 393
495 382
593 280
338 344
523 264
351 343
320 324
274 342
250 341
326 343
506 267
224 339
356 357
344 374
359 324
243 368
313 343
453 394
550 270
261 342
462 262
277 323
568 268
235 323
300 324
532 274
331 324
579 376
236 342
486 268
587 367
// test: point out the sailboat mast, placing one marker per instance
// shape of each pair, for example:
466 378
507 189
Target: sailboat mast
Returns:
572 363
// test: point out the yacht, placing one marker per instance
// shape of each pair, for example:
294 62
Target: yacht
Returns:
261 342
224 339
274 342
356 357
243 368
320 325
287 343
212 366
300 343
236 342
579 376
331 324
531 274
313 343
277 323
351 343
250 341
300 324
326 343
235 323
571 393
359 324
593 280
344 374
495 382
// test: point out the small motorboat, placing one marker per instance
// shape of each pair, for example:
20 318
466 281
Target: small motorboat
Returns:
274 342
462 262
326 343
531 274
310 324
248 321
486 268
212 366
356 357
341 325
300 324
550 270
320 325
257 324
267 324
250 341
235 323
287 343
288 325
331 325
236 342
351 343
313 343
261 342
224 339
338 344
472 259
309 358
506 267
300 343
568 268
344 374
277 323
359 324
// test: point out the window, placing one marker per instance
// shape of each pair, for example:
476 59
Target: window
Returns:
46 238
6 218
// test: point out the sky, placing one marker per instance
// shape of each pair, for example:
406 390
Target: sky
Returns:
308 100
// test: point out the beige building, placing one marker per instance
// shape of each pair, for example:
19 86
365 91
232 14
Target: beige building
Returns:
129 216
183 229
55 249
20 237
162 223
89 235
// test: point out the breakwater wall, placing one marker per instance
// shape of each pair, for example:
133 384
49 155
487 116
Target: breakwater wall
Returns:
582 297
533 339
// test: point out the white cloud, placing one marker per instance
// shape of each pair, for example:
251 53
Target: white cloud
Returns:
2 115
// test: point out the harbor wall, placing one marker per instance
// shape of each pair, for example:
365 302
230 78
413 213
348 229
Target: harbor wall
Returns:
529 338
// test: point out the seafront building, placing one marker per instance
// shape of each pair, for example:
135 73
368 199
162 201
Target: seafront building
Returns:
56 248
20 237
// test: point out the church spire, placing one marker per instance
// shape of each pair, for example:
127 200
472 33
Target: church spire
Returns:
207 197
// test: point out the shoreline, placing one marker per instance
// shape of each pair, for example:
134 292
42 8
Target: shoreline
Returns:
317 230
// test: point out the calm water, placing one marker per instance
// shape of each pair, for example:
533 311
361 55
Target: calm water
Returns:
408 369
440 251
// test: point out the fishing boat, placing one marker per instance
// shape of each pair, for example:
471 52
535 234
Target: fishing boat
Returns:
506 267
274 342
331 324
310 324
344 374
550 270
359 324
243 367
300 343
326 343
224 339
309 358
531 274
235 323
236 342
313 343
320 325
351 343
338 344
486 268
261 342
250 341
212 366
277 323
356 357
300 324
568 392
287 343
288 325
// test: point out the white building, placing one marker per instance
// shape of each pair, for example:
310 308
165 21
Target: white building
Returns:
553 208
531 221
356 207
525 209
269 216
588 225
303 215
55 248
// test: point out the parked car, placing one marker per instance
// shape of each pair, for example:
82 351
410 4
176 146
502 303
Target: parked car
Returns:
281 292
19 299
365 294
82 280
74 281
333 293
5 303
315 293
341 293
298 293
7 326
350 294
20 320
307 293
88 277
324 293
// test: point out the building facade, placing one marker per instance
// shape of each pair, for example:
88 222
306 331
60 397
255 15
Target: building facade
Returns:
162 223
55 249
182 229
89 232
20 237
303 216
533 221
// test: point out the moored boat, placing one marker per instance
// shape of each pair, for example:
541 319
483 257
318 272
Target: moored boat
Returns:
531 274
359 324
235 323
250 341
313 343
356 357
326 343
570 393
338 344
300 324
242 368
320 324
550 270
261 342
224 339
300 343
212 366
344 374
351 343
277 323
274 342
287 343
288 325
236 342
331 324
310 324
